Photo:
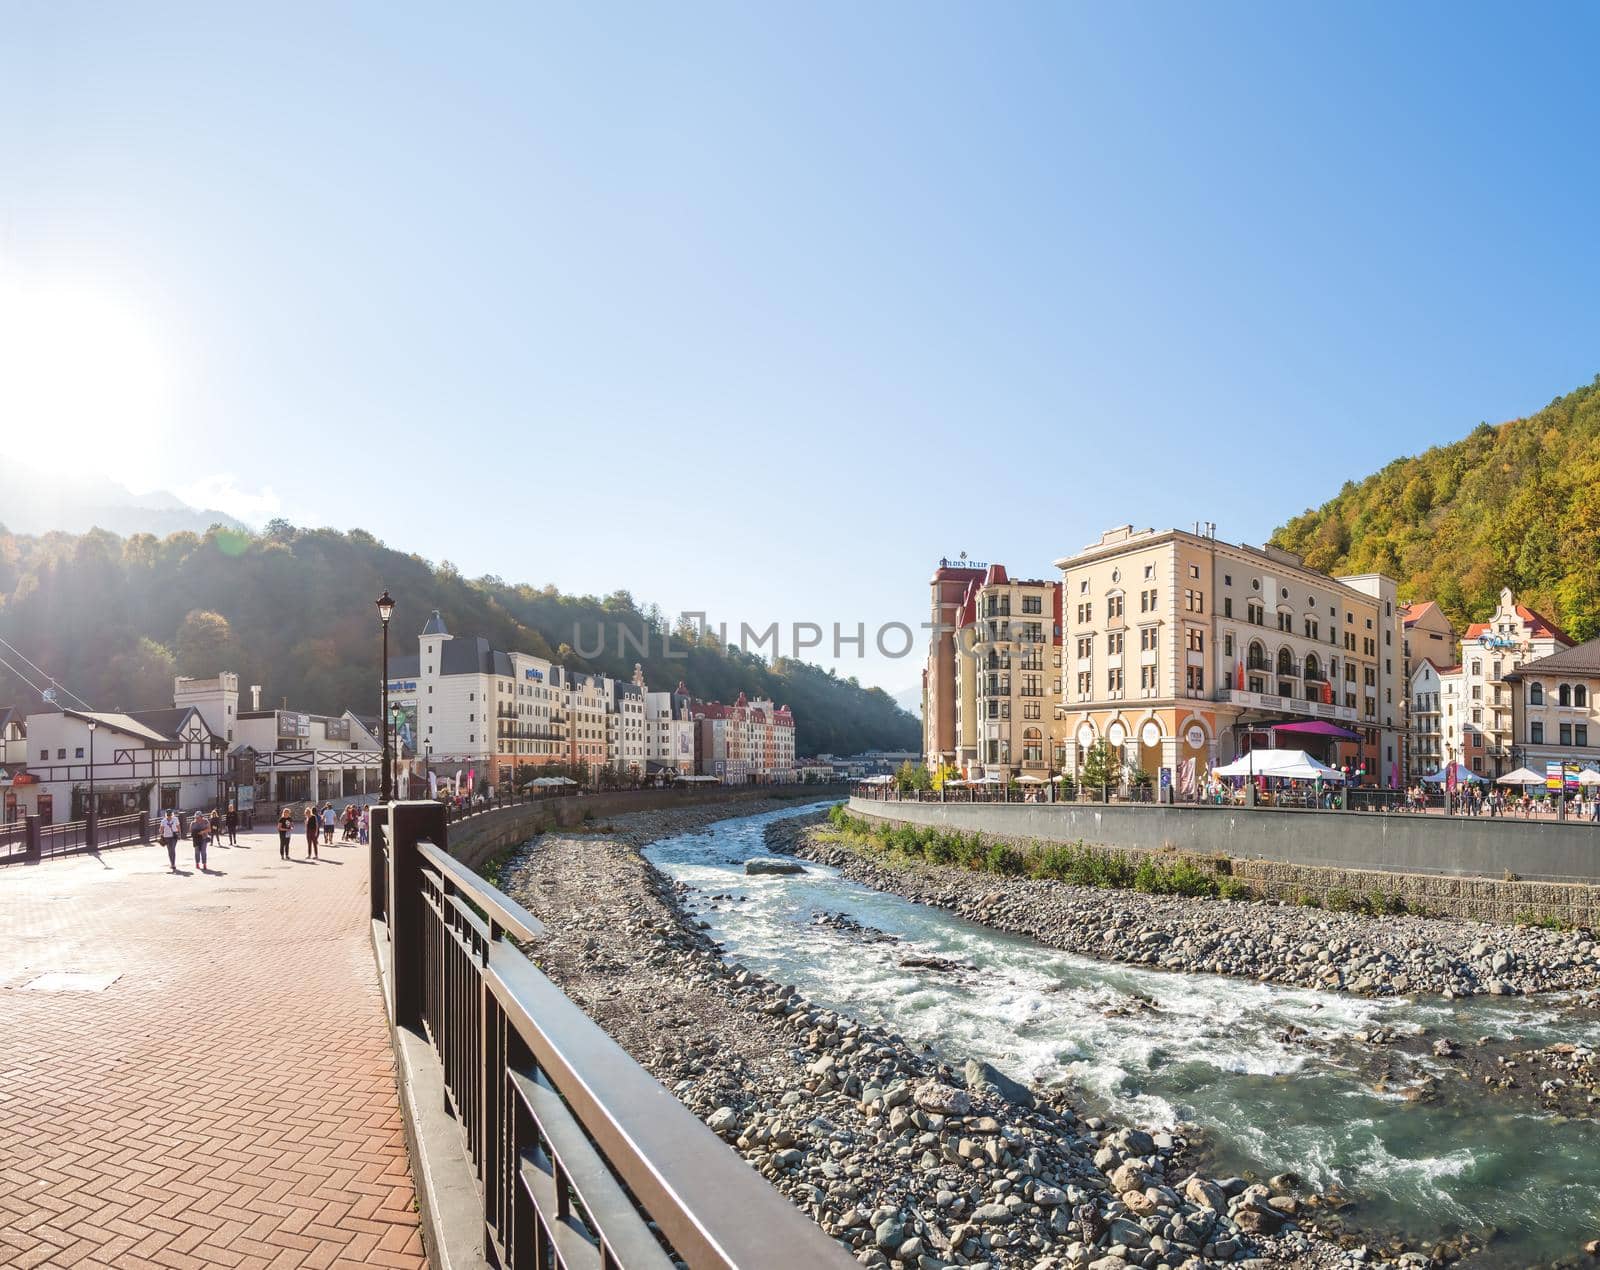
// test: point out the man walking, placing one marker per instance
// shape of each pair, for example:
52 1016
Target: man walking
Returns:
232 822
329 819
169 832
200 831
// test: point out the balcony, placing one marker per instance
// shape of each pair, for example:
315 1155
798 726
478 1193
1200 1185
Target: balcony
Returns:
1279 704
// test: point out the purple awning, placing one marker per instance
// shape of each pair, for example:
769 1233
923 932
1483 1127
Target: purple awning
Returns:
1317 727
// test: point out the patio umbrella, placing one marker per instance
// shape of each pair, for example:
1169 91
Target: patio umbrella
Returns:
1030 780
1522 776
1589 777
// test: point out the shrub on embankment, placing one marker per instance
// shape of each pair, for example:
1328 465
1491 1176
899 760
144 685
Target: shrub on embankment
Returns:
1077 863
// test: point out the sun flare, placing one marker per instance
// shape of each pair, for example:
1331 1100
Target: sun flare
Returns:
85 373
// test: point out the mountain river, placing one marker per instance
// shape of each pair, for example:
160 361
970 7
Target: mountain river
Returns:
1267 1073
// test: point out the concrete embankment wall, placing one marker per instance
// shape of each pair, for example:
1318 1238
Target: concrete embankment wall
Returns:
478 839
1456 866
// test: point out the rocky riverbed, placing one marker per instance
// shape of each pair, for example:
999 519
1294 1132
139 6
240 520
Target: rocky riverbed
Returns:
1267 941
909 1159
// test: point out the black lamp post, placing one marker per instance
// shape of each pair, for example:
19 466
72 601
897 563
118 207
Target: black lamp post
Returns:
396 717
92 817
385 608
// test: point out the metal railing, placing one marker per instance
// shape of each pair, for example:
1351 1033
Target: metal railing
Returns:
582 1158
28 841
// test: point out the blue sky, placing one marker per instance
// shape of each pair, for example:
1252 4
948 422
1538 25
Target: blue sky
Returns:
760 310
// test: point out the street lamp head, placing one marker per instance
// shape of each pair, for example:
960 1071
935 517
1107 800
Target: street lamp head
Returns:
92 725
385 607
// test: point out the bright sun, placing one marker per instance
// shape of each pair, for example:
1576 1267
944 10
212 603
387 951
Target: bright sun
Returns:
84 375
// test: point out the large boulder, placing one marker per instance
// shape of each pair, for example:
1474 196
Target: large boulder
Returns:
771 864
983 1078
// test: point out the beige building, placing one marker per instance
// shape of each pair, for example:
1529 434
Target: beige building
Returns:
1478 716
1556 709
1009 720
1179 646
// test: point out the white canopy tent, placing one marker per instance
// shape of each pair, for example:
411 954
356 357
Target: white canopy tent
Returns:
1294 765
713 780
552 780
1522 776
1462 774
865 780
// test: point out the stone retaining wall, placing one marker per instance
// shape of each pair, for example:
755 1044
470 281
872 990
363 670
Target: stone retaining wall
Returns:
1482 899
478 839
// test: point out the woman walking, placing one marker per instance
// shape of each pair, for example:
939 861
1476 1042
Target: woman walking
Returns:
285 827
232 822
313 830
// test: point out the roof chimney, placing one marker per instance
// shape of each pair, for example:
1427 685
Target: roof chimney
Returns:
255 696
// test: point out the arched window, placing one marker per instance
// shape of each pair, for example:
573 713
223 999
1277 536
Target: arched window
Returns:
1258 656
1580 695
1313 667
1285 662
1032 746
1535 694
1564 695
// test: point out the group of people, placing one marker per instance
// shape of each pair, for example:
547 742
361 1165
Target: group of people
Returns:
320 823
203 827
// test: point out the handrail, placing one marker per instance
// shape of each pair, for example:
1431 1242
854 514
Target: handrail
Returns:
504 911
582 1158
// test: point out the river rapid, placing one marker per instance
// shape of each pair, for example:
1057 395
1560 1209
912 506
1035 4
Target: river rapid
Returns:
1274 1077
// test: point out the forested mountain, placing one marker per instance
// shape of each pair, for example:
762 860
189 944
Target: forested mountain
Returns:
1516 504
114 619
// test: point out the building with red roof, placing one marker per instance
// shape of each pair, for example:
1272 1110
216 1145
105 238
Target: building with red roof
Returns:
748 742
1479 719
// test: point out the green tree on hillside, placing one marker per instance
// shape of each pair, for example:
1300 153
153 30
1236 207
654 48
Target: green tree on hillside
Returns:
1515 505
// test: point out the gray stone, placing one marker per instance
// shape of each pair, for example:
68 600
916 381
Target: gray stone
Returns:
767 864
982 1077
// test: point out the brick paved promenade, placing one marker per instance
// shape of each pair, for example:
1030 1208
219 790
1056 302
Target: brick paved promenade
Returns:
208 1080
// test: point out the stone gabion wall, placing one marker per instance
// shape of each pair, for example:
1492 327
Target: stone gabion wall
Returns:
1504 900
478 839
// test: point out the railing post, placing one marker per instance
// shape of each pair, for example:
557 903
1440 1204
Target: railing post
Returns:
30 827
144 826
410 822
377 841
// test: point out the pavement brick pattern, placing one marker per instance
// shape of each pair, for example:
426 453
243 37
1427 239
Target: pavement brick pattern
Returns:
209 1082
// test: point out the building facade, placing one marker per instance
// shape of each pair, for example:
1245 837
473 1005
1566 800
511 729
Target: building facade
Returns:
147 761
952 594
1009 720
746 742
1556 708
1482 735
1178 646
1425 747
669 730
469 706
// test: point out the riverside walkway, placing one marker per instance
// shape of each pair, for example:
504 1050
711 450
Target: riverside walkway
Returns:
196 1070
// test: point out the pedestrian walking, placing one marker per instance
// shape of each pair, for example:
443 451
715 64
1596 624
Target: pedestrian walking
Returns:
329 819
232 822
285 827
312 828
200 833
170 830
365 828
